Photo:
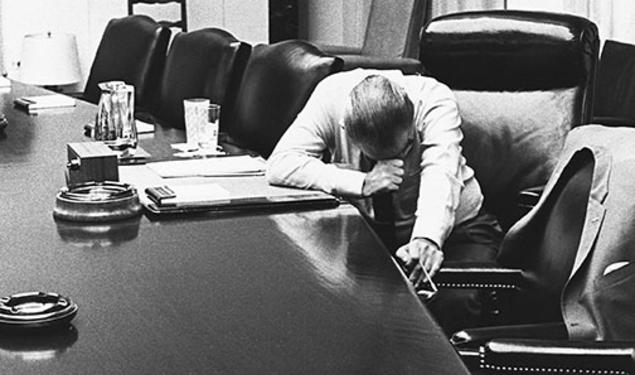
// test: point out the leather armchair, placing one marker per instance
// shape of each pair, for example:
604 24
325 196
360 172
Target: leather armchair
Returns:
278 80
570 278
132 49
615 85
391 37
522 81
206 63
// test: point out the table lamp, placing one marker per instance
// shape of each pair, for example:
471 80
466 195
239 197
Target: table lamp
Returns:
50 60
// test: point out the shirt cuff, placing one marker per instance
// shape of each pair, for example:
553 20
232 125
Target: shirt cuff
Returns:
348 181
434 233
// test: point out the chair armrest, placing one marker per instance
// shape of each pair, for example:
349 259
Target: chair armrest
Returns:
529 197
340 50
613 121
479 277
558 356
405 64
525 200
474 338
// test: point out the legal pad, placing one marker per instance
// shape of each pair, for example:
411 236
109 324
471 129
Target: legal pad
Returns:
196 191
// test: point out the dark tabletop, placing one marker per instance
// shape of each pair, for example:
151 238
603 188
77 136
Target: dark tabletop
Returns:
310 292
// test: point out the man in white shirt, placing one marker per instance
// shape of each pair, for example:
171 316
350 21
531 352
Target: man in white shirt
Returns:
394 148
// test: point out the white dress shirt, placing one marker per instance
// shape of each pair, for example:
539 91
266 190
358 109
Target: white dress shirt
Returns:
442 190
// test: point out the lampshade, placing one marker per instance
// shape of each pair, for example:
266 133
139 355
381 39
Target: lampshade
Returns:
49 59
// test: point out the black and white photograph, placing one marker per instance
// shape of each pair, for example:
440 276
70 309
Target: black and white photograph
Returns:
439 187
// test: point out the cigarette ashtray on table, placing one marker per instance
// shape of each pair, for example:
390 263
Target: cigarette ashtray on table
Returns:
35 310
97 202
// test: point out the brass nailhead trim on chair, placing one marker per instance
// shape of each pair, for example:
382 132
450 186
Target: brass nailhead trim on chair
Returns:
517 369
477 285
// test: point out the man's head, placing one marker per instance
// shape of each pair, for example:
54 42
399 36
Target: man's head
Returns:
378 118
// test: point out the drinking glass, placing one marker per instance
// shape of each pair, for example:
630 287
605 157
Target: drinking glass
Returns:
196 117
210 135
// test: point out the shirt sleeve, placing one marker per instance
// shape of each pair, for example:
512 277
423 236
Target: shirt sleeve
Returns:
297 158
441 162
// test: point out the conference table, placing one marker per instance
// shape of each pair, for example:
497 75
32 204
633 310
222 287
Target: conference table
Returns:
307 291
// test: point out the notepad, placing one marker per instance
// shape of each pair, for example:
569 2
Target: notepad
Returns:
226 166
193 195
39 102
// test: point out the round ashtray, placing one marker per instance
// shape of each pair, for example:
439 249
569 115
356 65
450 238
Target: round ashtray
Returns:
36 310
97 202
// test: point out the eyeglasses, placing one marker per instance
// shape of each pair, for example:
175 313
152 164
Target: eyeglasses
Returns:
425 288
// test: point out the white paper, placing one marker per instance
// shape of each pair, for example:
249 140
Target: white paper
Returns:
197 194
224 166
48 101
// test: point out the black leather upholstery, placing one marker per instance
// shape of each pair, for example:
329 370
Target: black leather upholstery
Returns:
278 81
615 85
206 63
504 356
132 49
522 80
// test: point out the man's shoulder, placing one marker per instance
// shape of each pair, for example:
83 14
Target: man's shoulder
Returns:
417 85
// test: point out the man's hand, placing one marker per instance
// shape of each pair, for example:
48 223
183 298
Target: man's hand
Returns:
385 176
424 249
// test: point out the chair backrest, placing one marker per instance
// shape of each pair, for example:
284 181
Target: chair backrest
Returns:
522 80
206 63
615 82
180 23
393 28
278 80
132 49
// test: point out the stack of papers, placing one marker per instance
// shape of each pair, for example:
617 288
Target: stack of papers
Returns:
188 195
225 166
34 103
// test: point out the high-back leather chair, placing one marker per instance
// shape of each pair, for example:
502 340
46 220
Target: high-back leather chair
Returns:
180 23
615 85
278 80
132 49
391 37
572 268
522 81
206 63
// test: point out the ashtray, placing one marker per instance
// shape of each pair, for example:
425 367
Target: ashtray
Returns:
35 310
97 202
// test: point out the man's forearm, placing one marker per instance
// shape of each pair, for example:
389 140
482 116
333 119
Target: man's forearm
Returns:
307 172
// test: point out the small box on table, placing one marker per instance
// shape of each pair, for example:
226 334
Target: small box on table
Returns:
91 161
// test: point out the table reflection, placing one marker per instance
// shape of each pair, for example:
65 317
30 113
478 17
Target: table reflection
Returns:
38 344
98 235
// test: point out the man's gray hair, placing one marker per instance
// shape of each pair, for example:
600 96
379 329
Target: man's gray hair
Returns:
377 110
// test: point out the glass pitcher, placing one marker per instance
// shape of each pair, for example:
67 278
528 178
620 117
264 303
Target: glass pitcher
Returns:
115 123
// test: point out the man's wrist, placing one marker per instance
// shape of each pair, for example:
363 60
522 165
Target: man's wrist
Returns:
427 240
